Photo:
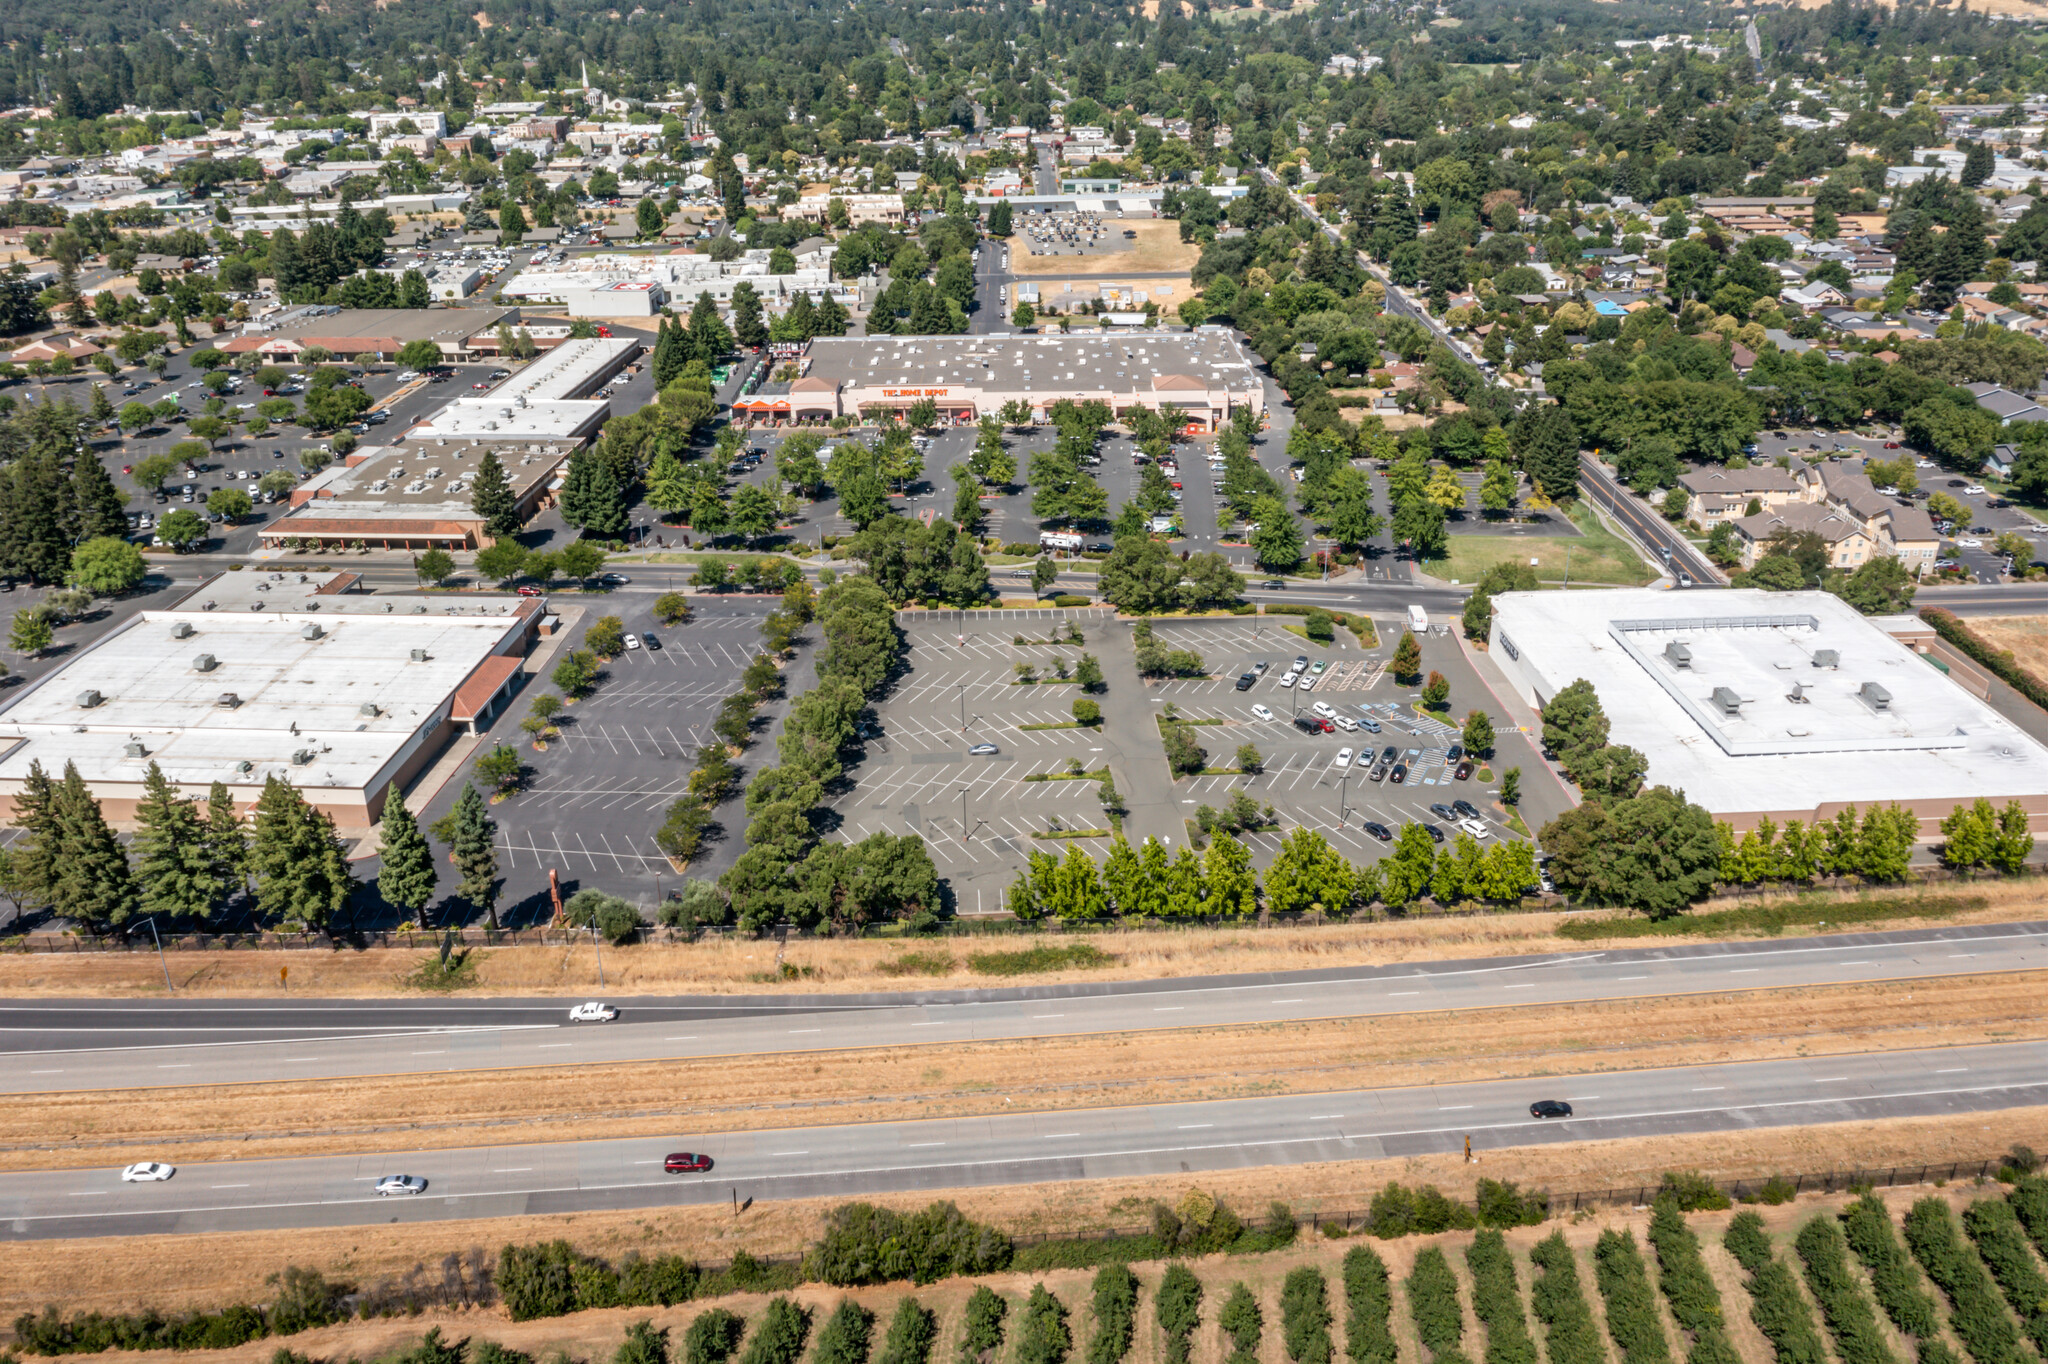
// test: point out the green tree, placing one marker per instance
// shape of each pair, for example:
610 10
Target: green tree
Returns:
1574 725
406 877
1436 692
1407 660
1550 452
1478 734
106 566
1277 543
182 529
474 849
434 567
491 498
230 504
30 634
174 871
503 561
419 354
302 878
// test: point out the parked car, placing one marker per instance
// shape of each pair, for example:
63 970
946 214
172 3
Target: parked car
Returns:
1343 759
1347 724
1475 827
1399 774
1245 681
1262 712
1324 709
1379 831
1465 809
632 641
1462 771
983 751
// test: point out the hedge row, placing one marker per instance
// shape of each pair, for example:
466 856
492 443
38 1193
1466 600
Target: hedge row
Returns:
846 1336
1368 1309
2000 661
1199 1225
1774 1302
304 1299
1688 1287
1116 1314
1497 1300
984 1333
1361 626
2003 1246
1241 1323
1397 1212
865 1244
1571 1337
2029 1199
1851 1320
912 1332
1042 1334
1179 1309
553 1278
1975 1311
1631 1310
1305 1316
1433 1302
1867 1227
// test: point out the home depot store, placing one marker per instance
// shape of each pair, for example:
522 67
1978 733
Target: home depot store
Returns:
1196 378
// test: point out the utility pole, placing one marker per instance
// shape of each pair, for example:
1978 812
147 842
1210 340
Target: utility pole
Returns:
599 948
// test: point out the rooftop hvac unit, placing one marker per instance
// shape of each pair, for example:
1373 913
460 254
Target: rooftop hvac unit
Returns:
182 630
301 757
1727 700
1679 655
311 632
1877 696
205 663
1827 658
228 700
369 708
89 698
419 655
134 750
1797 696
245 766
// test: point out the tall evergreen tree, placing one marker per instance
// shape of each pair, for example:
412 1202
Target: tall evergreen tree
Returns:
175 874
33 506
668 356
604 503
100 508
93 883
707 329
747 327
802 318
302 879
36 856
407 876
475 849
832 318
491 497
583 467
227 841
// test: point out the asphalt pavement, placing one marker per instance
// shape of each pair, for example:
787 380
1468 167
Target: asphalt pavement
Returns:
63 1045
1018 1148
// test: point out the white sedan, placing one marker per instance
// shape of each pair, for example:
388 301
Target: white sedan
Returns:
1967 543
1324 709
148 1172
1263 712
593 1012
632 641
1475 827
1343 758
1974 490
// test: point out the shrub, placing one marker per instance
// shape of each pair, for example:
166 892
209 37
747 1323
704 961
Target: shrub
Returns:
984 1333
1042 1334
671 608
1501 1204
1692 1191
1497 1300
1305 1316
1777 1190
779 1339
1975 1312
1774 1302
1631 1311
1848 1313
912 1332
713 1336
1867 1227
1116 1314
1560 1304
1397 1211
1179 1309
845 1336
1433 1301
1689 1288
1071 599
1241 1323
866 1244
2003 1247
643 1345
1368 1308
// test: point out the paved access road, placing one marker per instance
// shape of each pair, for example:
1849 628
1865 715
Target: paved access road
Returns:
1021 1148
81 1045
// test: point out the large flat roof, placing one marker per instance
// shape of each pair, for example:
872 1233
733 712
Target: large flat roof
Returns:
1136 363
292 695
1756 701
421 481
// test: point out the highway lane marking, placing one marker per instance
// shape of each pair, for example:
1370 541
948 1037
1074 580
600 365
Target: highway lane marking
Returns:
442 1052
1622 978
1036 1017
794 1031
1401 994
1191 1126
1745 970
88 1193
691 1038
1323 1117
913 1145
1951 1070
1703 1089
545 1046
1831 1080
780 1153
1061 1136
929 1025
1171 1009
1529 986
227 1186
1445 1108
46 1072
515 1170
178 1065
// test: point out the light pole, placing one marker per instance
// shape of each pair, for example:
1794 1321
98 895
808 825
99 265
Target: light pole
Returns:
1343 797
160 961
963 814
963 706
599 948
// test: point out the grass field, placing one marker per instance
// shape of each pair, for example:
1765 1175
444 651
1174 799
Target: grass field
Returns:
1158 248
1598 556
2025 636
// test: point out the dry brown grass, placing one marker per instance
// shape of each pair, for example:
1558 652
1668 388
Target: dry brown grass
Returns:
2025 636
1157 249
178 1272
742 1093
729 966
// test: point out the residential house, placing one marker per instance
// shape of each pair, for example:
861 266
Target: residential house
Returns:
1854 520
1723 494
2006 406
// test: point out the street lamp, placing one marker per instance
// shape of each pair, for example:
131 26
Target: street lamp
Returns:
963 706
151 921
963 814
599 948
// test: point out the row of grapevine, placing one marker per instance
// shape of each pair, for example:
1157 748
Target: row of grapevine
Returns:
1116 1314
912 1333
984 1333
1369 1305
1305 1316
1560 1303
1179 1309
2003 1246
1867 1226
846 1335
1631 1310
1242 1324
1433 1302
2029 1198
1042 1334
1774 1302
1497 1299
1975 1311
1843 1304
1688 1287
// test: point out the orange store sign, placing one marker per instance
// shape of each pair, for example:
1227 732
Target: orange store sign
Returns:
914 392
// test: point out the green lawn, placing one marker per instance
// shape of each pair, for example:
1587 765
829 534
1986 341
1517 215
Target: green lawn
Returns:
1597 556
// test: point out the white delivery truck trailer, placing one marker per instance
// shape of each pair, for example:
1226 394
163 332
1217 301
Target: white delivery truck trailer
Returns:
1418 620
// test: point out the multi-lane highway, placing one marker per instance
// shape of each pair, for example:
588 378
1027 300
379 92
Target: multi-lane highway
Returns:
62 1045
503 1181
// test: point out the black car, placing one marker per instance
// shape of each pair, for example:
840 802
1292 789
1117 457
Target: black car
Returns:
1245 680
1465 809
1550 1108
1389 753
1436 835
1379 831
1399 774
649 641
1464 770
1443 811
1454 752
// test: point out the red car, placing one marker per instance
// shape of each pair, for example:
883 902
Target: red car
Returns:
1891 445
529 590
684 1163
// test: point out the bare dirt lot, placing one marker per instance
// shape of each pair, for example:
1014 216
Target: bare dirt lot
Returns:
176 1272
394 1113
742 966
1157 249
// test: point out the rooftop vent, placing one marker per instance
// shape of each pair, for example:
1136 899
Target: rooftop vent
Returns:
1877 696
227 700
1827 658
311 632
245 766
182 630
205 663
89 698
1728 701
419 655
370 708
303 756
1797 696
135 751
1679 655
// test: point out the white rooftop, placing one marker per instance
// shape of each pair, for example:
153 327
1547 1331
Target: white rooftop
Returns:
1755 701
291 695
543 402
